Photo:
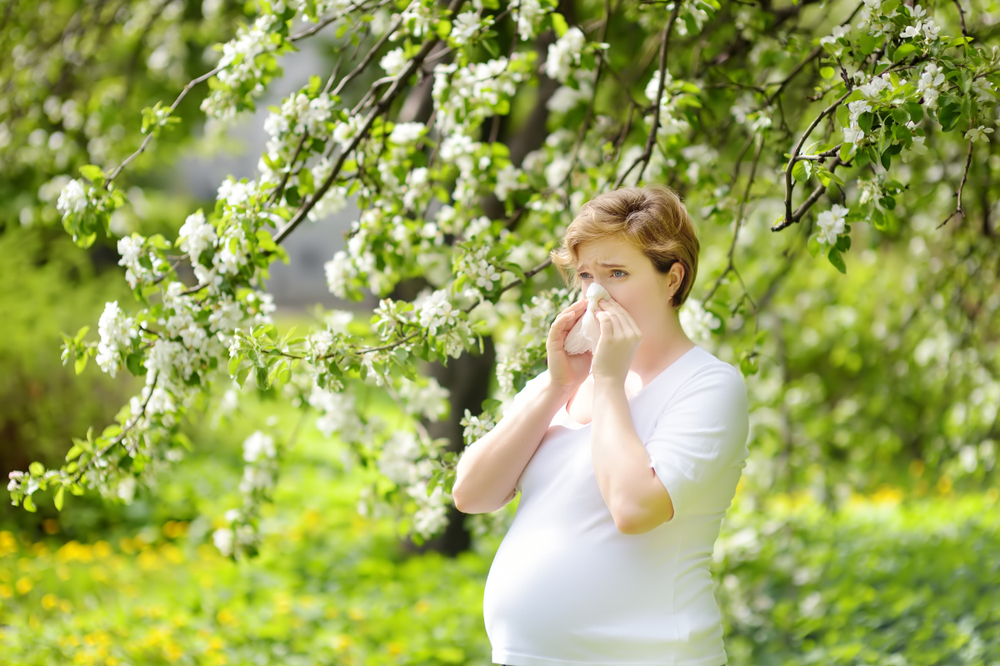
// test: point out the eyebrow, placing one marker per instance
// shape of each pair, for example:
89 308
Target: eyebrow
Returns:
603 264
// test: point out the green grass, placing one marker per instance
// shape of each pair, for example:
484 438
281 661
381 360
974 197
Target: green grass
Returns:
884 580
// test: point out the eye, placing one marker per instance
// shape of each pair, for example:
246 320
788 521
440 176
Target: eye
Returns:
584 275
617 271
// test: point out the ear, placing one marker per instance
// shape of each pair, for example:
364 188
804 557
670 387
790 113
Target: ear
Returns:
676 275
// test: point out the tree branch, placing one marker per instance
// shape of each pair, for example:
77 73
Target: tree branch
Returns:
961 186
381 107
647 153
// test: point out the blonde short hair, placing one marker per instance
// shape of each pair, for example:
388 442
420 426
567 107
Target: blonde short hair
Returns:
651 218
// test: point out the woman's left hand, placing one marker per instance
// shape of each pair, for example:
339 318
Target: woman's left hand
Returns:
620 337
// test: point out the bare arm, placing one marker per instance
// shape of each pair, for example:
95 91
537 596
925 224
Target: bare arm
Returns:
634 494
490 467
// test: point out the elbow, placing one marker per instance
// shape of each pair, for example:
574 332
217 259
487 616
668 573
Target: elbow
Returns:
465 499
632 519
460 496
630 524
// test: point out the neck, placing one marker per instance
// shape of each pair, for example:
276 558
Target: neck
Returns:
657 352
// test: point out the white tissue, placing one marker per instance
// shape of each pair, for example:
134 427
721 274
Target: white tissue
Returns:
587 331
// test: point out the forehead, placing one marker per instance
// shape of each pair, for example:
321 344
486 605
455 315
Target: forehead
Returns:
605 252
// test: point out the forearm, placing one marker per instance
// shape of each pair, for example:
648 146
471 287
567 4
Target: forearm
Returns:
635 496
490 467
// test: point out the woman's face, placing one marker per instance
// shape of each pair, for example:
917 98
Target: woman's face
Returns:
630 278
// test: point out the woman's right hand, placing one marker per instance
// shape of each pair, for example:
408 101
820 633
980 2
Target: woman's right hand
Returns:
567 371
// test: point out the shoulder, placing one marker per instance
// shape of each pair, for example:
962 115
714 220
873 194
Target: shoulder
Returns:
715 382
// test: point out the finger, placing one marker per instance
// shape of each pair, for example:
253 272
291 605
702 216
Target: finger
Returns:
628 323
610 326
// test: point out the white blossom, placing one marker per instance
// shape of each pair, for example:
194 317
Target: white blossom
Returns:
393 62
527 14
930 79
223 540
130 248
508 180
466 25
696 321
256 445
396 461
437 312
838 32
564 55
831 223
196 235
980 133
475 427
406 133
116 331
73 198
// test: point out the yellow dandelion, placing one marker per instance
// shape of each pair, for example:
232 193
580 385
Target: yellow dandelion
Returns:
421 607
340 642
102 549
50 601
943 486
65 606
24 585
226 617
394 648
356 613
5 591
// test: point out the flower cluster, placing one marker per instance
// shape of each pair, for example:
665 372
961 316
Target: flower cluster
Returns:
697 322
831 224
243 67
117 332
564 55
528 15
854 133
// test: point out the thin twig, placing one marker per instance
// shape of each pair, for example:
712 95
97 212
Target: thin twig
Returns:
961 186
789 185
149 137
647 153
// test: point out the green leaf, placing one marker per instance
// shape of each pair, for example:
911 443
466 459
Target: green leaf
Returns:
36 468
800 172
29 505
915 111
886 159
837 259
813 245
74 452
904 51
81 362
826 72
443 28
93 173
559 24
59 498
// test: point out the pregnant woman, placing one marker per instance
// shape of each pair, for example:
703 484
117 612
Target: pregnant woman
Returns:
626 457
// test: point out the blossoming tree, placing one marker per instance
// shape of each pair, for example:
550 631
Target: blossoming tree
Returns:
467 135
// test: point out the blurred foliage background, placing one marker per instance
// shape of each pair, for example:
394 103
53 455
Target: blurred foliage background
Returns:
865 532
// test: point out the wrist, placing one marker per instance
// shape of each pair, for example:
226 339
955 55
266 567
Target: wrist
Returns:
608 383
558 392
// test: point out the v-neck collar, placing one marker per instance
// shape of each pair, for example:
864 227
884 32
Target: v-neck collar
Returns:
667 370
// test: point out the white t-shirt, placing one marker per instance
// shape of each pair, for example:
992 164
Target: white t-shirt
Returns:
566 587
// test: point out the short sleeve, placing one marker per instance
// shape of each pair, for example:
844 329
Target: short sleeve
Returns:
700 435
526 394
